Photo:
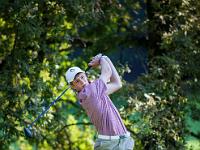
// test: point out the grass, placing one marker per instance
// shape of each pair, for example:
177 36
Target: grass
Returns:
192 121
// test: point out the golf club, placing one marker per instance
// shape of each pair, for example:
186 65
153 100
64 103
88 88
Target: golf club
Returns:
27 130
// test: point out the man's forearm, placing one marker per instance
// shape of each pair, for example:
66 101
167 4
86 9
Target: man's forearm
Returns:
106 70
115 76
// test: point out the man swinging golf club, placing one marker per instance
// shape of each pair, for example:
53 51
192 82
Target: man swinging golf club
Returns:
94 98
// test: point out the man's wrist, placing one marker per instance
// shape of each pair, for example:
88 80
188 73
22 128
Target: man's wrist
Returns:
103 56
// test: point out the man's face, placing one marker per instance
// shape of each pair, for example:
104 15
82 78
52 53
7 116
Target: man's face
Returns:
79 82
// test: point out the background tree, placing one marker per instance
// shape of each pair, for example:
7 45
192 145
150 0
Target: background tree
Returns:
39 40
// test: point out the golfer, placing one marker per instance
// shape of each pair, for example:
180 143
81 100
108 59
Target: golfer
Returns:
94 98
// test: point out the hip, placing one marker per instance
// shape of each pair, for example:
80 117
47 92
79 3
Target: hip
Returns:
124 142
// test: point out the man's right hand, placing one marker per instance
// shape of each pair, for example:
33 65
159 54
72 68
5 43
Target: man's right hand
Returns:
95 61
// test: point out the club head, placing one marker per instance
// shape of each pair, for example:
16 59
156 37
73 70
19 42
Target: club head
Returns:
28 133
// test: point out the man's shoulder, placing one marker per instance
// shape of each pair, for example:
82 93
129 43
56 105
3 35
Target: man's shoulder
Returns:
94 81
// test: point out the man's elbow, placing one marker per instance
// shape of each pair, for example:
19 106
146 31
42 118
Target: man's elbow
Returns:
119 85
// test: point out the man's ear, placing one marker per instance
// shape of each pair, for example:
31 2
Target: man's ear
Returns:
72 86
86 74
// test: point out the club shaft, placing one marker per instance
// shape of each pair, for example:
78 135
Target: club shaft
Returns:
52 103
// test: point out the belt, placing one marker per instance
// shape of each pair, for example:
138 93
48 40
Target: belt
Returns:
116 137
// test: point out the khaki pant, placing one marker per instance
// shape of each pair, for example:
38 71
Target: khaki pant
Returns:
126 143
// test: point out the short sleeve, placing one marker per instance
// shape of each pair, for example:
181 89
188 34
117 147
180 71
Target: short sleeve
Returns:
100 86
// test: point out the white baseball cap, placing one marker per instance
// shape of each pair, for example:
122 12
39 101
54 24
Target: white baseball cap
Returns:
72 72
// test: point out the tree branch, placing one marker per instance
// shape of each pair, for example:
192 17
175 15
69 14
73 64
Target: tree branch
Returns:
74 124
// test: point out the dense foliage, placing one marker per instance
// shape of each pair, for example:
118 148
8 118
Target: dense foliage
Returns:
39 40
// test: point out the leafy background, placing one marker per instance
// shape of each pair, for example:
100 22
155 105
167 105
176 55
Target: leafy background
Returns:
39 40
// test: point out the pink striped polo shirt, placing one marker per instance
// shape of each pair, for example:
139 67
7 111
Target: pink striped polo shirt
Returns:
100 109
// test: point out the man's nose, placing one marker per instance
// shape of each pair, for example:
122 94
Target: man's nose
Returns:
82 80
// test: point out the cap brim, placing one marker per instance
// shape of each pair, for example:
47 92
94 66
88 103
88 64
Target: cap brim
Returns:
75 76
